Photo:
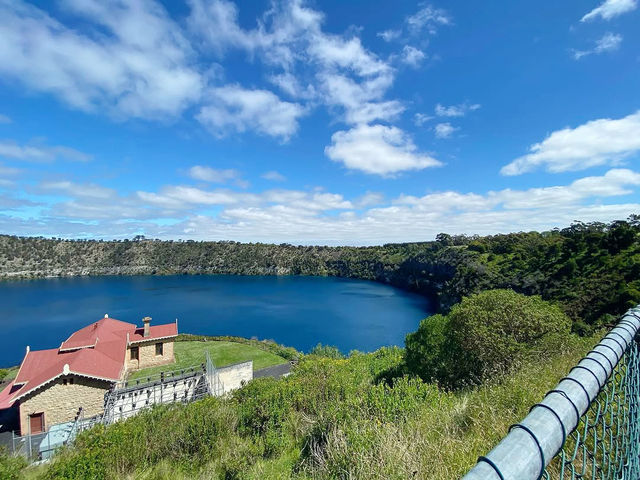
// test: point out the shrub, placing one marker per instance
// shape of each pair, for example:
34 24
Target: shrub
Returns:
11 467
485 336
426 353
328 351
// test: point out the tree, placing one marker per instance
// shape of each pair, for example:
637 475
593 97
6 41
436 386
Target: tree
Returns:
426 352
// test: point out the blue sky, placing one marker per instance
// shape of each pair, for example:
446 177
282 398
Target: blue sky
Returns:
316 122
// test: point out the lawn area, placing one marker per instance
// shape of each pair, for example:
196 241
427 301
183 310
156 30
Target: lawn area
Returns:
222 353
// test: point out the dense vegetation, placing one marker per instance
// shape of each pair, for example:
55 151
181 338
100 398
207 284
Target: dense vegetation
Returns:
332 418
484 337
592 269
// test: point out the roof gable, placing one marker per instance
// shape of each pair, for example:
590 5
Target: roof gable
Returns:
104 329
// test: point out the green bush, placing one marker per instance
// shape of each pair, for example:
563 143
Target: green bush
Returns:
328 351
331 418
11 467
484 337
426 353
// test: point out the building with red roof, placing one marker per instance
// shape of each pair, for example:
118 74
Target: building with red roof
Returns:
53 384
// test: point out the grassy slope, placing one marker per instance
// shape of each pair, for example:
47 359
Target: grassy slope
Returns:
222 353
8 374
330 419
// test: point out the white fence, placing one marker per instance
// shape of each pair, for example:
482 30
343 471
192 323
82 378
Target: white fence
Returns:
171 387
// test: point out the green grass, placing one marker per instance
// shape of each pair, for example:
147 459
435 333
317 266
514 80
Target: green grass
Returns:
331 418
8 374
222 353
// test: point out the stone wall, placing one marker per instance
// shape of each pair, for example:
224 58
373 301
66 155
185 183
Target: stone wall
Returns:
235 376
60 403
147 355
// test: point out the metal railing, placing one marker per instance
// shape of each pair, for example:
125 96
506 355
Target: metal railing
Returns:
178 386
587 427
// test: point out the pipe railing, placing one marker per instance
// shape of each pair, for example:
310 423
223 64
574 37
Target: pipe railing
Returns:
540 437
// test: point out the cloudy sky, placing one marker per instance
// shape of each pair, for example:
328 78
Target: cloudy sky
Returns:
311 122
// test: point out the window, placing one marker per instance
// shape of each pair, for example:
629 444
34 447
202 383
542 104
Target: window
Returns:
160 348
134 353
36 423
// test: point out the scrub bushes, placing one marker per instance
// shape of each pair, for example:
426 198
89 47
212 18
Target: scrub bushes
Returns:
484 337
11 468
331 418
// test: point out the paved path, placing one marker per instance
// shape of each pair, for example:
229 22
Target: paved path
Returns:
276 371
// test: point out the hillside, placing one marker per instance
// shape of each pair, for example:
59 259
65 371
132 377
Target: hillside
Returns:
592 269
332 418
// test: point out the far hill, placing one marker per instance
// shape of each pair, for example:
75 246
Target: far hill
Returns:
592 269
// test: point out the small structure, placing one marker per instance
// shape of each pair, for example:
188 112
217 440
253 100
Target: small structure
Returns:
52 385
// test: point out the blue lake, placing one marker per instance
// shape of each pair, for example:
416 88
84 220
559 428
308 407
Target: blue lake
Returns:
295 311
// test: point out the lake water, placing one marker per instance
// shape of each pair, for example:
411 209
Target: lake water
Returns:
295 311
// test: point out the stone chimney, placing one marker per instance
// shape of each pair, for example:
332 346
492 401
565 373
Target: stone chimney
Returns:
146 321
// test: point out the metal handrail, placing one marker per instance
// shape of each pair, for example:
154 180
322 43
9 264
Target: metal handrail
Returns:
533 443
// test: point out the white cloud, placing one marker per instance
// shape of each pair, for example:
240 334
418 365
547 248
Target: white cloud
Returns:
234 108
8 171
419 119
133 61
216 22
334 51
336 70
289 84
377 149
369 199
287 33
389 35
444 130
186 198
82 190
412 56
183 197
319 217
456 110
315 201
40 152
11 202
427 18
273 176
5 119
361 100
609 42
213 175
610 9
598 142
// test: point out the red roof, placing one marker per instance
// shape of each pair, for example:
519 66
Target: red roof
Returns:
97 350
155 332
